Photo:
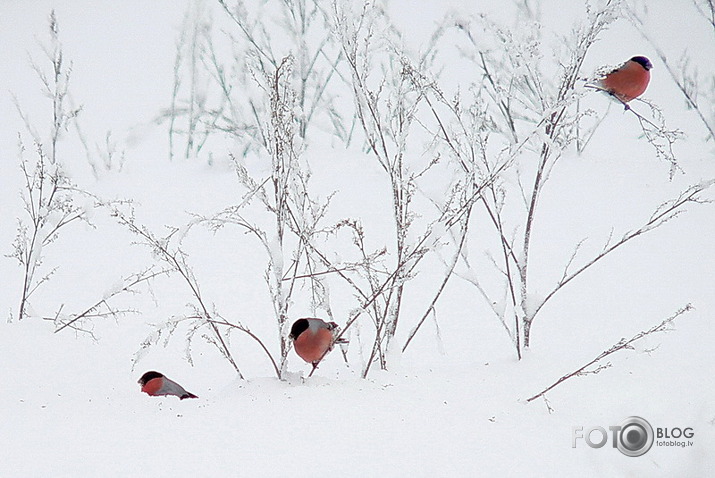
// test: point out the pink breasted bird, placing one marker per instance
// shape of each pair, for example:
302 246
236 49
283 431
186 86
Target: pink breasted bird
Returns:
629 80
154 384
313 338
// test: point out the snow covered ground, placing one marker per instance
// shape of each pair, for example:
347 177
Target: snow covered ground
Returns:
454 404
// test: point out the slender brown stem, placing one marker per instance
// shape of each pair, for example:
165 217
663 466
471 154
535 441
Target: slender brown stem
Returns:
622 344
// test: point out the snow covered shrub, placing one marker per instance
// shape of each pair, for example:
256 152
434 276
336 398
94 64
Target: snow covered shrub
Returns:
258 75
202 315
219 58
288 226
524 117
48 194
50 205
391 95
463 163
277 210
268 105
52 201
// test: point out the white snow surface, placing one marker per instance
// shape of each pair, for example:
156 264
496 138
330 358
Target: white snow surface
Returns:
453 405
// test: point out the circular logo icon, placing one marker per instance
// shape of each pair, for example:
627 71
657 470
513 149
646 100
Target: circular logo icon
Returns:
635 437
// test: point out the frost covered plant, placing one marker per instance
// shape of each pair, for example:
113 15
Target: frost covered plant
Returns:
247 85
220 59
286 234
388 103
48 194
49 204
52 201
397 100
103 307
202 314
288 226
55 86
533 120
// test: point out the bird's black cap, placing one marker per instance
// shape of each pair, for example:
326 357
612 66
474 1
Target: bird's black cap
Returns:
643 61
149 376
299 326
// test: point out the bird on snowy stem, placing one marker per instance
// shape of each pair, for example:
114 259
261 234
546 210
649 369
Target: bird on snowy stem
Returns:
628 81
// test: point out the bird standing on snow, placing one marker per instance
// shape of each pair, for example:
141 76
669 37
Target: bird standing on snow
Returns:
154 384
628 81
313 339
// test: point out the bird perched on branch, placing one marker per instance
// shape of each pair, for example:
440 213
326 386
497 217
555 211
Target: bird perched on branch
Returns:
629 80
155 384
314 338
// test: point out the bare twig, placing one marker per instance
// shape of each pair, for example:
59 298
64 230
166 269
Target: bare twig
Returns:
128 285
664 213
248 332
448 274
622 344
48 194
176 260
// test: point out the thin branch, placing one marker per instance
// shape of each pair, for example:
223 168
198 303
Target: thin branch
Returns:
128 284
660 216
622 344
248 332
443 285
176 261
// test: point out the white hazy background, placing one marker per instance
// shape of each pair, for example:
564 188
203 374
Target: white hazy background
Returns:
454 404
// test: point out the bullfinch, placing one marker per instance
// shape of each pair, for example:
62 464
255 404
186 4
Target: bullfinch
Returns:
154 384
629 80
313 339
